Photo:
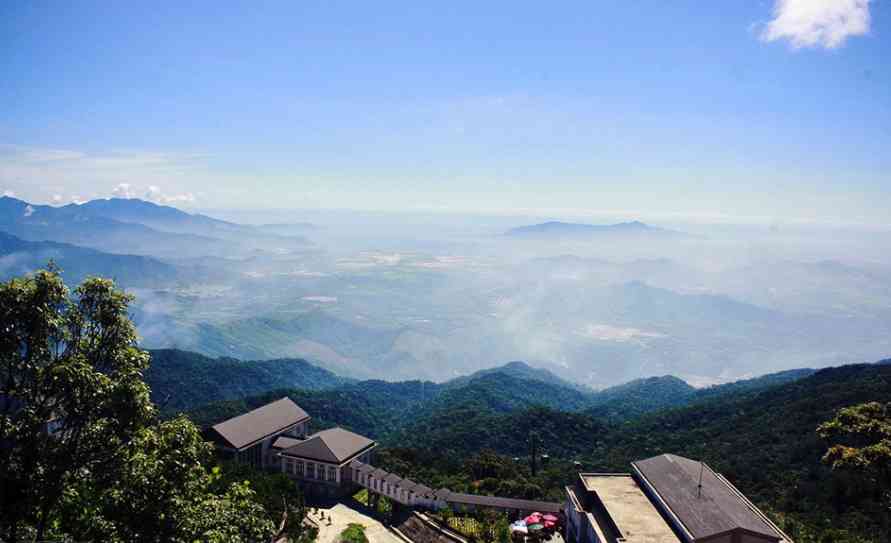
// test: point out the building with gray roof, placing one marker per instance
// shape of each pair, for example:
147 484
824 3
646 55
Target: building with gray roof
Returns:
322 462
274 436
249 438
665 499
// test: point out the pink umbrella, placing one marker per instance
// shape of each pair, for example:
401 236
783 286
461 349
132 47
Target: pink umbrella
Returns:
534 518
549 518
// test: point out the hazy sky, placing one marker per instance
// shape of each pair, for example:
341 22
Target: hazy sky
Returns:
727 110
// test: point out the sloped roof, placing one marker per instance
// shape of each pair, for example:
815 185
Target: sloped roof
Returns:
409 486
247 429
334 446
285 442
423 490
719 507
495 501
361 467
394 480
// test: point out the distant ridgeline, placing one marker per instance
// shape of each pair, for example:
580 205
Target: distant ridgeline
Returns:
566 230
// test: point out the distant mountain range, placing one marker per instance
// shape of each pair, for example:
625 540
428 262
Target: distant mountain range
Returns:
74 225
579 231
20 257
133 226
186 380
609 334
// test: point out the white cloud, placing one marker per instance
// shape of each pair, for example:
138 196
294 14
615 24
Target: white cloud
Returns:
817 23
9 193
186 197
37 174
57 198
122 191
153 193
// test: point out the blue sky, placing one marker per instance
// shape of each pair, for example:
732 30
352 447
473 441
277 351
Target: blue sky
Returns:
726 111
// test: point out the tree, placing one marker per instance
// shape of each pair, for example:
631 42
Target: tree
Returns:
502 530
861 444
82 453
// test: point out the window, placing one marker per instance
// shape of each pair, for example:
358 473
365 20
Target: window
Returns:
310 470
300 469
332 474
289 465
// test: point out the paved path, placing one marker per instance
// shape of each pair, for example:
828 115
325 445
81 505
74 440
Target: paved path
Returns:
341 515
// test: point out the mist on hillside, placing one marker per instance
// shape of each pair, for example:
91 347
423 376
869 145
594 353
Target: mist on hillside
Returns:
414 295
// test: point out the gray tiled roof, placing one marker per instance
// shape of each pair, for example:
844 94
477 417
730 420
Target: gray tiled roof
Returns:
334 446
284 442
247 429
423 490
409 486
719 508
503 503
442 494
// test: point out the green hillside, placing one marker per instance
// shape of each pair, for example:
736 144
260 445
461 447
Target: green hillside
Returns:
182 380
766 443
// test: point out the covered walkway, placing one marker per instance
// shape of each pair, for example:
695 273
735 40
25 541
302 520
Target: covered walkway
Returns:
409 493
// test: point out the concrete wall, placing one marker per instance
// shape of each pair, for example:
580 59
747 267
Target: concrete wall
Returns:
579 528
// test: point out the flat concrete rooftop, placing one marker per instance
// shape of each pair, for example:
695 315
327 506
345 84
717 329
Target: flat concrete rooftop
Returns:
632 512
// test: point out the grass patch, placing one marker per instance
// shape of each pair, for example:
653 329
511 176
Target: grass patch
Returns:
471 527
354 533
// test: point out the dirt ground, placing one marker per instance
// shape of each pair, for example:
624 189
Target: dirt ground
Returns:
340 516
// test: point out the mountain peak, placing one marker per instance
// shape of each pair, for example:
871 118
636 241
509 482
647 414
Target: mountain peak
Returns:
557 229
519 370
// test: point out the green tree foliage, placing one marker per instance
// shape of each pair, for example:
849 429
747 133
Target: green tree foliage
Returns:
354 533
762 438
183 380
82 454
861 444
502 530
275 492
862 440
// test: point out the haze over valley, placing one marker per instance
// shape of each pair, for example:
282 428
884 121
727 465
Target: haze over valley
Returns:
411 296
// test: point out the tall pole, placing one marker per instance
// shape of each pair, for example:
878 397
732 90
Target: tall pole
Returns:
699 488
533 439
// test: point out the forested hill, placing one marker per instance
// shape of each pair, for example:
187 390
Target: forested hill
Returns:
760 433
641 396
765 441
183 380
520 370
484 404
